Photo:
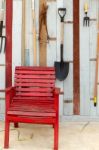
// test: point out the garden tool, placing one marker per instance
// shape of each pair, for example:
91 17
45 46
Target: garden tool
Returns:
23 32
1 29
3 38
97 64
86 19
62 68
34 34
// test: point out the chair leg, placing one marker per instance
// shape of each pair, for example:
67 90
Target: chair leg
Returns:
56 134
6 140
16 125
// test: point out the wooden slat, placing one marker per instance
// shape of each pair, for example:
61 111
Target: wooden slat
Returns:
34 84
21 113
34 81
34 94
76 56
34 72
39 120
34 68
19 98
35 76
34 89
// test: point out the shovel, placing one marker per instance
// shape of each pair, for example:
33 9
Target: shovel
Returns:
62 68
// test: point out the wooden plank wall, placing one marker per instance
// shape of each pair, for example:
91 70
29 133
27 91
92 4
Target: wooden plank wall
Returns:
87 52
92 53
68 55
84 64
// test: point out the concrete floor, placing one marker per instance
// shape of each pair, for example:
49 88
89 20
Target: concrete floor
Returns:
73 136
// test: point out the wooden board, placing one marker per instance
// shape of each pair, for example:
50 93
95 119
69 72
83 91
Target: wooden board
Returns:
23 32
16 34
42 35
9 8
76 58
84 65
68 56
92 54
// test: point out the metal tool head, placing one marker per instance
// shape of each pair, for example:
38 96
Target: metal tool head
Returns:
86 20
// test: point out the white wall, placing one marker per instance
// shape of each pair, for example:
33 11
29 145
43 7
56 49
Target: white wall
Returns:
87 51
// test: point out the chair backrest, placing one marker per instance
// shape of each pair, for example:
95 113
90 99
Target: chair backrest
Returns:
34 81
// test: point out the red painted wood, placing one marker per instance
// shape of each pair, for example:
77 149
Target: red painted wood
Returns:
35 68
9 8
33 100
34 94
35 120
35 72
76 58
35 80
37 114
48 85
34 89
35 76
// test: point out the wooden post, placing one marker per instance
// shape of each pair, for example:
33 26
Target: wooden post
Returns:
9 13
42 33
97 64
76 57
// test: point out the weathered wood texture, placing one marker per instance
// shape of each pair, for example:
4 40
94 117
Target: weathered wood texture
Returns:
33 99
84 64
68 56
76 58
43 33
92 54
23 32
9 9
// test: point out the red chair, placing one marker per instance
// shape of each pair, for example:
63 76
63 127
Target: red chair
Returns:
33 99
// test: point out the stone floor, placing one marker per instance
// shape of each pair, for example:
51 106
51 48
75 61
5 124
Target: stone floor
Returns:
72 136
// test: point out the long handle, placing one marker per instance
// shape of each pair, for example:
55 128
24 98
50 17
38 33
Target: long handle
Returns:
62 13
34 34
23 32
97 61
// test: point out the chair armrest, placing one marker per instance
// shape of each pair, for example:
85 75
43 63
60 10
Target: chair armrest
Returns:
56 100
10 92
10 89
57 91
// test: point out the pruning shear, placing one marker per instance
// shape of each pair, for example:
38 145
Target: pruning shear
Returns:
86 20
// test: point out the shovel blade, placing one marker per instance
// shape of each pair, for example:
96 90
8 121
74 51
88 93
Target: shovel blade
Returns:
62 70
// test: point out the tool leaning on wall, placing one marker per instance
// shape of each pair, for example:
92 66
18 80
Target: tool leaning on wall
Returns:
2 37
86 19
34 34
97 63
62 68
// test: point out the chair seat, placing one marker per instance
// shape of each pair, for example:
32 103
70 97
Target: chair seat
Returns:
32 106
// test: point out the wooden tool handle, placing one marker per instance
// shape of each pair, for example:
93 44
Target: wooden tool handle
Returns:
34 39
23 32
62 32
86 8
97 63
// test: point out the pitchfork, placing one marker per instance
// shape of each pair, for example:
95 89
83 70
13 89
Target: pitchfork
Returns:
86 20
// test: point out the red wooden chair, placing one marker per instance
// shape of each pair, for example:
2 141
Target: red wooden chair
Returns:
33 99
